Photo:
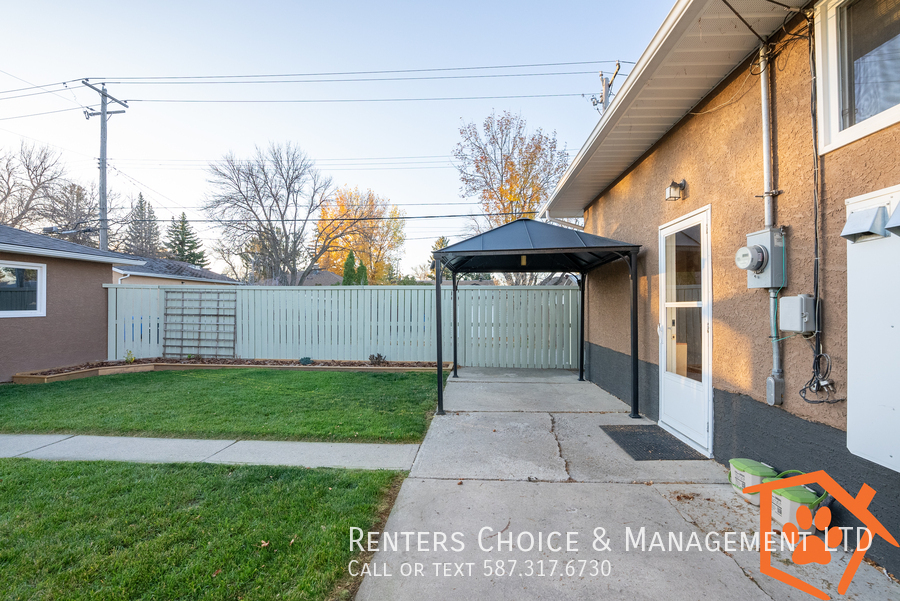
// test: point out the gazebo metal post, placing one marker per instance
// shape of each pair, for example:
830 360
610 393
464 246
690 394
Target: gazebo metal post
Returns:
581 286
632 264
455 322
438 267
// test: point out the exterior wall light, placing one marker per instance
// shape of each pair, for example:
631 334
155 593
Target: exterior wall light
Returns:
673 192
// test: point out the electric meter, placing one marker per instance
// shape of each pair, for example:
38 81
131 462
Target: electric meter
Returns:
751 258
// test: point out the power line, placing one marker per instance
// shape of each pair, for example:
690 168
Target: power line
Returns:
348 100
39 114
393 204
316 220
380 72
54 92
350 80
35 86
43 87
425 156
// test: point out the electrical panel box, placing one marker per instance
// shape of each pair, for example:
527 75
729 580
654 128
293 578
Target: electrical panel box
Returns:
771 275
797 314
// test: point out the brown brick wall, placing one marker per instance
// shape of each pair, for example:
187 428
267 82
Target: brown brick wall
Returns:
74 330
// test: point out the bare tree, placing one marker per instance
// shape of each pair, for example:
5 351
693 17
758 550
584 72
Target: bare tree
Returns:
28 181
74 208
268 207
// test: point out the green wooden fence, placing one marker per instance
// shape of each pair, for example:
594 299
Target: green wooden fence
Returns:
499 326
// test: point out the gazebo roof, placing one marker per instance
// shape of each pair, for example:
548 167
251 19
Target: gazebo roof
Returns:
540 246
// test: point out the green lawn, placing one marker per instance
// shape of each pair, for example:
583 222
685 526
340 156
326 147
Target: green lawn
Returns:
99 530
229 403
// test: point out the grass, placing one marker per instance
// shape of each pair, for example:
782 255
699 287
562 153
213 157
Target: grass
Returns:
229 403
99 530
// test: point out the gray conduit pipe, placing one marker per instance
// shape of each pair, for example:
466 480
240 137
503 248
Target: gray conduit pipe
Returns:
775 381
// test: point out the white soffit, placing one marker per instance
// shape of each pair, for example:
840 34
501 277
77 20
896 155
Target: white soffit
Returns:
698 45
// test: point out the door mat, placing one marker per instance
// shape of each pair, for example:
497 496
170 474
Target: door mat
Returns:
650 443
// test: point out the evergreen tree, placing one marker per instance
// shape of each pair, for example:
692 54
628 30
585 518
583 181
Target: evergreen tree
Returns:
362 275
350 277
142 235
182 243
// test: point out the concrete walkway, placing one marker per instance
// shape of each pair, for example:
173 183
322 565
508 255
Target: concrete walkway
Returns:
62 447
521 455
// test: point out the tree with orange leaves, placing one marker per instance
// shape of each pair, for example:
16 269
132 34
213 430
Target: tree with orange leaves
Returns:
510 171
377 240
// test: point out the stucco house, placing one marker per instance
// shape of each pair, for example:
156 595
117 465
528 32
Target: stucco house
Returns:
53 307
168 272
752 153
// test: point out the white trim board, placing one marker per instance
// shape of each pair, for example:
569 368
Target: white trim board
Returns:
41 310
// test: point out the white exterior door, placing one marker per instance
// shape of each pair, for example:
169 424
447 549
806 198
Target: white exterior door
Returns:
685 317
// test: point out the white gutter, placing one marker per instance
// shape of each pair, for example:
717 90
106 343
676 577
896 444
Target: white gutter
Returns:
63 254
173 277
124 277
574 226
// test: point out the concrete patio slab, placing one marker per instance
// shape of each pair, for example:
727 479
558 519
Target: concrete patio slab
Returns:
319 454
716 508
510 508
508 446
120 448
13 445
567 396
510 375
592 456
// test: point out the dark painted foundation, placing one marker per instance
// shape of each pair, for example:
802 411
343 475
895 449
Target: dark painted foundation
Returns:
611 371
744 427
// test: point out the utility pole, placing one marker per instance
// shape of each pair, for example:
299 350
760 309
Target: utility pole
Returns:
104 117
607 86
606 83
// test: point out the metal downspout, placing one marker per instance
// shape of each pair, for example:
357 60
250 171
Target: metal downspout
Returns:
775 381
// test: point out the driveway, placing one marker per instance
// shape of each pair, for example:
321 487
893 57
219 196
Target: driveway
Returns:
518 493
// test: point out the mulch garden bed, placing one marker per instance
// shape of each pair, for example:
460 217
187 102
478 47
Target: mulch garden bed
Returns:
104 368
222 361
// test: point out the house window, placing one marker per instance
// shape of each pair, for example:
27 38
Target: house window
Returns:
858 63
23 289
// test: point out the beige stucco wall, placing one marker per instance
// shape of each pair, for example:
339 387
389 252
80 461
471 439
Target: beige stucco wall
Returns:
74 329
142 280
720 156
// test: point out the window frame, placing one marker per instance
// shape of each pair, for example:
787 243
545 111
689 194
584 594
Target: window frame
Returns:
828 84
41 310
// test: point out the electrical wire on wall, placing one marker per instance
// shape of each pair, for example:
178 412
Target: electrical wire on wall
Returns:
820 383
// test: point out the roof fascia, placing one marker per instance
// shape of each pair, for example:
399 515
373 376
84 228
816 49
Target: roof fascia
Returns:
677 21
62 254
170 277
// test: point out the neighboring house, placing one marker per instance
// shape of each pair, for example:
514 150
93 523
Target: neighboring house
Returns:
678 163
320 277
449 282
52 302
561 279
168 272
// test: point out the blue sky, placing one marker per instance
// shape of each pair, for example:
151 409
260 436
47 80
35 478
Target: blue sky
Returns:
161 149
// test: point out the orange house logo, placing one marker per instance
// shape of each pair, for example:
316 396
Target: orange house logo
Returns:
812 549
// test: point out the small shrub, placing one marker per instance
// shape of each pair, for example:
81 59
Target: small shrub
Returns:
129 357
378 359
306 361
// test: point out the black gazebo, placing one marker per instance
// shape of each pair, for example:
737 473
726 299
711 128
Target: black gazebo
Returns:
528 245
